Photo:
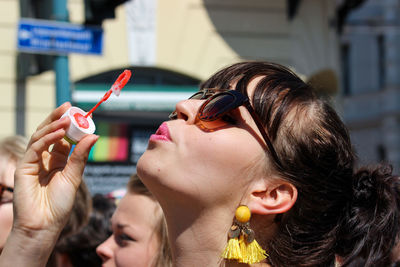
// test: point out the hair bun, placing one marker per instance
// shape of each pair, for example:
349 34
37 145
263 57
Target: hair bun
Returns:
363 184
367 183
370 226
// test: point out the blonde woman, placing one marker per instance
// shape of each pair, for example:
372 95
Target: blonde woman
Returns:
12 149
139 236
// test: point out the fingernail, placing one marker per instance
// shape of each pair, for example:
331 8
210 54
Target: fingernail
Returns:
95 140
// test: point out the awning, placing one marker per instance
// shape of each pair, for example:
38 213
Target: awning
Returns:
132 97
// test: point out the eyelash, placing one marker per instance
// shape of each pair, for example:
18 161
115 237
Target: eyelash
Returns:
121 239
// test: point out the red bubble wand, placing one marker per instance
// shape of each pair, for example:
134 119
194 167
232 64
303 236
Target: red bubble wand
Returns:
121 81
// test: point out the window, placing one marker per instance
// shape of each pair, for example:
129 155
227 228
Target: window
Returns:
381 151
345 62
381 60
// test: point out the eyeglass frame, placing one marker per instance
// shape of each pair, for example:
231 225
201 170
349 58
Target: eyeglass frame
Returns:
238 98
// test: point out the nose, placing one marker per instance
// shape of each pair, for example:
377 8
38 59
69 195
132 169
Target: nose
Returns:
106 249
187 110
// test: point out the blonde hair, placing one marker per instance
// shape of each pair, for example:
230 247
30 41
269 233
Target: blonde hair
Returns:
163 258
13 147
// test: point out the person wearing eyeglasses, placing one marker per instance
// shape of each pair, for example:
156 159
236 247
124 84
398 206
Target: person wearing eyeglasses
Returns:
12 149
253 169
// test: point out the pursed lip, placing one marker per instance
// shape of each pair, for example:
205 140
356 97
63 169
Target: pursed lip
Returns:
162 133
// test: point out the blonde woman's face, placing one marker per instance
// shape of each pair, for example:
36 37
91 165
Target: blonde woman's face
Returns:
134 241
7 169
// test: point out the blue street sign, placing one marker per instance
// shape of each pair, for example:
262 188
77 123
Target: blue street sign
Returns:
59 38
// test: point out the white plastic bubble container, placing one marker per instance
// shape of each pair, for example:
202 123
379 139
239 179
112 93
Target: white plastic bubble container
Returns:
74 132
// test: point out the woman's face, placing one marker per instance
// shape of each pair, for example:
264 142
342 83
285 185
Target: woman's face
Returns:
7 169
134 241
184 161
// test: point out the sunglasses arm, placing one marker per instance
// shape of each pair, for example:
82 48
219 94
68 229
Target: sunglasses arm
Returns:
263 132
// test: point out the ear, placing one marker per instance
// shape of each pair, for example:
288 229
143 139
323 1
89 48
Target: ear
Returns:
272 197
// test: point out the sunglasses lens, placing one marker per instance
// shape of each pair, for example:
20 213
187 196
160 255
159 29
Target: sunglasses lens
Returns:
216 106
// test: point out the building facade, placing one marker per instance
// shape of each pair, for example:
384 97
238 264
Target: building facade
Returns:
370 45
170 46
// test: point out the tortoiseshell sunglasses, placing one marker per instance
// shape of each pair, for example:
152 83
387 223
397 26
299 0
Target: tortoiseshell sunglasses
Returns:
220 102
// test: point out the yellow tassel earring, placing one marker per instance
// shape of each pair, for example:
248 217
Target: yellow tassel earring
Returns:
242 245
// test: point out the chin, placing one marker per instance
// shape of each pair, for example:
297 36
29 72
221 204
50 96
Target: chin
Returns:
156 175
148 168
142 167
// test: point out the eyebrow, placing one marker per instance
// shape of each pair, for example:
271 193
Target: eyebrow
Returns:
120 225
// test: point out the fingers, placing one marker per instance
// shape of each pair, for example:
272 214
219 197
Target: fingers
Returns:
46 129
61 152
77 161
34 152
62 147
55 115
43 138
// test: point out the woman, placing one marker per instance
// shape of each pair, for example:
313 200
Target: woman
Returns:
295 173
139 236
46 181
284 154
12 149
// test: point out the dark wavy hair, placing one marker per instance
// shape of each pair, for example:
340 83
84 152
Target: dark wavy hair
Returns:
80 247
339 211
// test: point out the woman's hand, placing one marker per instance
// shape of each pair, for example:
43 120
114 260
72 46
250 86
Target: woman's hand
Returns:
46 181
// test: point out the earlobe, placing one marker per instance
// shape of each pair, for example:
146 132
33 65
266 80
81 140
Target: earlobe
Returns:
275 198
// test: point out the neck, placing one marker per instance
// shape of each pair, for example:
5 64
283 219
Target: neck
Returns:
198 236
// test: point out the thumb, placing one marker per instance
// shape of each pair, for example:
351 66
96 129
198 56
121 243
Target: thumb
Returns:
77 161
